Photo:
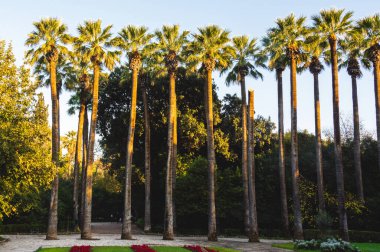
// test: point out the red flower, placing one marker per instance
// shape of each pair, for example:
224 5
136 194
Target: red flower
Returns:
142 248
196 248
80 249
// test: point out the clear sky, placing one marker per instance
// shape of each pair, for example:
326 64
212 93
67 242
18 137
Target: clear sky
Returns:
252 18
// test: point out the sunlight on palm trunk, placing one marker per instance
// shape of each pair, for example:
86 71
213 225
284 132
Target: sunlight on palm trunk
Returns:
84 166
253 234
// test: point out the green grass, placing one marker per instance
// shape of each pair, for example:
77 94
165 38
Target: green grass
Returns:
364 247
127 249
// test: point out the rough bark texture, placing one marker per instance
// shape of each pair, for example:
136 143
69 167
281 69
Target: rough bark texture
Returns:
281 154
168 227
298 231
376 73
343 228
126 232
212 236
253 234
357 161
86 230
78 153
84 166
244 152
318 144
53 208
147 217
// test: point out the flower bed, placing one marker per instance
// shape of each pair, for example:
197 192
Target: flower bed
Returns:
196 248
80 249
142 248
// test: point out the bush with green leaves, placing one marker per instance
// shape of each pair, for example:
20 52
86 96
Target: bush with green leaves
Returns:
337 245
307 244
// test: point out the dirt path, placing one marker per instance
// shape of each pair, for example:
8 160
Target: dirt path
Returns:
30 243
112 228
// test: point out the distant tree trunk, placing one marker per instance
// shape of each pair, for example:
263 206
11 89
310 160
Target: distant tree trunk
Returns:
318 144
343 228
244 152
126 233
376 72
53 208
86 231
298 231
253 234
357 161
84 165
78 158
281 155
147 223
212 236
168 228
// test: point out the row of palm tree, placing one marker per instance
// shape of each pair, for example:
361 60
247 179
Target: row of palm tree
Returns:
333 37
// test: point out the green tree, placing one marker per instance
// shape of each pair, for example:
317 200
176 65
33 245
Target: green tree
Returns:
47 44
170 43
211 49
93 43
289 35
133 40
25 165
332 26
246 59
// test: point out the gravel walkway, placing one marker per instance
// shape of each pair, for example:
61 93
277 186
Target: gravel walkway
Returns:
30 243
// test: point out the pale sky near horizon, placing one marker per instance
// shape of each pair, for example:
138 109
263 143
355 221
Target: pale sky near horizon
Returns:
252 18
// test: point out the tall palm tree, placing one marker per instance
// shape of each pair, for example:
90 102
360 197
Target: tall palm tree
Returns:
93 43
47 43
316 50
170 43
352 47
332 26
369 27
132 40
289 35
210 48
246 59
277 61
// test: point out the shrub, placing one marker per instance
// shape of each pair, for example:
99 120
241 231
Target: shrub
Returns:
304 244
334 245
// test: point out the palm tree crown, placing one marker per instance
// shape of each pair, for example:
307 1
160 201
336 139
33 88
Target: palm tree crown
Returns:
246 58
47 41
369 27
93 43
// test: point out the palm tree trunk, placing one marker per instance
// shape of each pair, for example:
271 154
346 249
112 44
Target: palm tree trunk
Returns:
253 234
376 73
86 231
174 160
84 166
357 161
244 152
53 209
343 228
281 155
78 157
147 219
126 232
168 228
298 231
318 144
212 236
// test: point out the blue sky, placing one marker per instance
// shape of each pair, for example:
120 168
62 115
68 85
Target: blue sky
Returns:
252 18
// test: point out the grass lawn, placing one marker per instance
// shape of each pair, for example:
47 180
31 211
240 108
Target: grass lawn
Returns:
127 249
364 247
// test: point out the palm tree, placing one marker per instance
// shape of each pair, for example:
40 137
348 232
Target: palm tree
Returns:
316 49
210 48
332 26
369 27
246 60
93 43
47 43
277 62
289 35
352 48
132 40
170 43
